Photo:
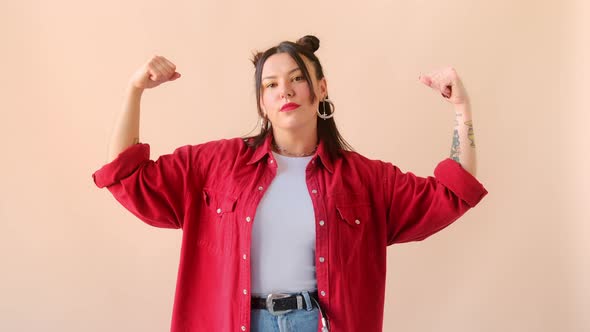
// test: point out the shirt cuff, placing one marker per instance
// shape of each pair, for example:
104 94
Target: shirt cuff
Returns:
453 176
124 165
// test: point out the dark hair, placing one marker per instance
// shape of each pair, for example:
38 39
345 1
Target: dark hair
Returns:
306 46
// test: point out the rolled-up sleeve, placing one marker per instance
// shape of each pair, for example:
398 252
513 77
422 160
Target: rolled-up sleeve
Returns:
421 206
155 191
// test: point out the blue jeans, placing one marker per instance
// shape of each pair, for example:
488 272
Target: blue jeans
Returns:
293 321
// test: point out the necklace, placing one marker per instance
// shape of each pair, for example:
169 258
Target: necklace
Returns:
285 152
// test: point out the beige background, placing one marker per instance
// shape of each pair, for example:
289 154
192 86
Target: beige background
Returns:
72 259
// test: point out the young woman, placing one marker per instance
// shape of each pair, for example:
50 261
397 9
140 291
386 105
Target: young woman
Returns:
286 230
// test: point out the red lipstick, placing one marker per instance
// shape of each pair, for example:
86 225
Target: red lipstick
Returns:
289 107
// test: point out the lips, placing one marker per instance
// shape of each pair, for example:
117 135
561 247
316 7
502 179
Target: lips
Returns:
289 107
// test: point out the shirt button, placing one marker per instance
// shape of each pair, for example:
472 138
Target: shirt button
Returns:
260 188
322 259
218 211
271 161
245 292
248 219
323 293
322 223
314 191
244 257
243 328
358 222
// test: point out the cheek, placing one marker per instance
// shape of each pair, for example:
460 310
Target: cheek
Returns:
303 91
268 97
264 100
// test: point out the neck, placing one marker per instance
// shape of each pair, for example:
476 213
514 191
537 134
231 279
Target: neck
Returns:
295 144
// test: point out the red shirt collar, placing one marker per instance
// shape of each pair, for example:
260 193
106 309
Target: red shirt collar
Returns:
265 149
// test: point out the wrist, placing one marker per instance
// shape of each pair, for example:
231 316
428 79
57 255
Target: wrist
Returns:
133 90
464 108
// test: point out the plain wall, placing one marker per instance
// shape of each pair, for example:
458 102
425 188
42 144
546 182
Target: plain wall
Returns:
72 259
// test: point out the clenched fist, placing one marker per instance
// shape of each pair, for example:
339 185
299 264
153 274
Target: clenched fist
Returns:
154 72
447 82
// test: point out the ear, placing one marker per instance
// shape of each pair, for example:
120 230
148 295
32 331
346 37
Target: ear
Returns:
323 85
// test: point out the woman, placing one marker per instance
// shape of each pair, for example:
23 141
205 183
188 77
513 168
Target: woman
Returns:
286 230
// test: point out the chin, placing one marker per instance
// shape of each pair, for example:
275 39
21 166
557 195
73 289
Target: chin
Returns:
293 125
295 120
289 126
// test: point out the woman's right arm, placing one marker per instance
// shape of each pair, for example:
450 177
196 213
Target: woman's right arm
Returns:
126 130
154 191
154 72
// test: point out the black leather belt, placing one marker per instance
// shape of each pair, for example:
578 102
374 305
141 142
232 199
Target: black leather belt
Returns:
280 303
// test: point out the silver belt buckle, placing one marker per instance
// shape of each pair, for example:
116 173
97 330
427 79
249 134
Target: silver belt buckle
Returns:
270 304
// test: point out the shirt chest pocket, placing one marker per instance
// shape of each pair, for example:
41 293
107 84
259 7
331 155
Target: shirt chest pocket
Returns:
216 230
352 221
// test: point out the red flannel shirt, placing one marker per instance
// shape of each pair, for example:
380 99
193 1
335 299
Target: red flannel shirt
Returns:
212 190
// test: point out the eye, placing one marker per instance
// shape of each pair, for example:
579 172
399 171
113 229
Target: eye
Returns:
298 78
270 85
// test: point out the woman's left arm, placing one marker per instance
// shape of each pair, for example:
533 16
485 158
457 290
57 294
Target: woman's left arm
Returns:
447 82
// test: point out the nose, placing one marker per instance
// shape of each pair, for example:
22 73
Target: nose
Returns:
287 92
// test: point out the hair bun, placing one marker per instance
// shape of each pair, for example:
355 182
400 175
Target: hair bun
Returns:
256 57
310 42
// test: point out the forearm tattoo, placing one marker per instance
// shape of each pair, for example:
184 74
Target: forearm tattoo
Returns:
456 146
470 133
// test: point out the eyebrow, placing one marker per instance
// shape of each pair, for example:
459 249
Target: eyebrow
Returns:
290 72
